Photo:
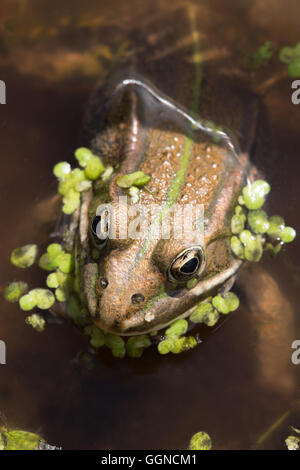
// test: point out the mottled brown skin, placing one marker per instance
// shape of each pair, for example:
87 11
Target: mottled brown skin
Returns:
131 131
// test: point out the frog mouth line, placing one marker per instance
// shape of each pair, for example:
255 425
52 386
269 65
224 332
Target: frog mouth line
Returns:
197 291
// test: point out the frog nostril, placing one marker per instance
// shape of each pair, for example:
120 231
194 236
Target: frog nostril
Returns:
137 298
103 282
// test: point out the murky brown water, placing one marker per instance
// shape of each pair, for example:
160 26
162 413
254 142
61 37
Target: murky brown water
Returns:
241 379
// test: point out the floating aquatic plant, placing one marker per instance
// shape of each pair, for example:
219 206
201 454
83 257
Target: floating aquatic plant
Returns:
14 290
36 321
19 440
174 341
24 256
200 441
72 182
252 229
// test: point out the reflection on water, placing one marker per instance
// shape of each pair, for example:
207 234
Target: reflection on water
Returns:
241 379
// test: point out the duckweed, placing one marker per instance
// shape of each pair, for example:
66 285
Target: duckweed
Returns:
176 345
287 54
183 344
71 201
65 263
44 298
19 440
226 303
174 342
200 441
237 247
138 178
279 231
134 347
41 298
24 256
165 346
27 302
178 328
72 182
139 182
97 336
276 226
54 250
293 443
254 252
262 56
258 221
94 168
61 170
254 194
46 263
136 344
116 344
253 230
238 223
52 281
253 246
205 313
60 294
83 155
54 258
126 181
294 68
36 321
288 234
73 178
14 290
291 56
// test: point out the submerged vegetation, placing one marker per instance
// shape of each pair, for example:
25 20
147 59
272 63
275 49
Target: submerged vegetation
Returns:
288 55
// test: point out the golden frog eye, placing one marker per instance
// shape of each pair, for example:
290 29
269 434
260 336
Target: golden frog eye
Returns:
187 264
100 229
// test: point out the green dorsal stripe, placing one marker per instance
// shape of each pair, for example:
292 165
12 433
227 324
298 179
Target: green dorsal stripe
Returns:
178 181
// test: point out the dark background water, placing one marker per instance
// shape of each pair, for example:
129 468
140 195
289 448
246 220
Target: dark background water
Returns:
241 380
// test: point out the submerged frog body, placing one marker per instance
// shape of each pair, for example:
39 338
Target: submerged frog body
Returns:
140 285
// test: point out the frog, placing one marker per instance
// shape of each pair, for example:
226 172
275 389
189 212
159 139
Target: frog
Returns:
141 285
194 137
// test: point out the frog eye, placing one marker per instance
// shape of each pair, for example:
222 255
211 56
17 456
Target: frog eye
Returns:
186 264
100 229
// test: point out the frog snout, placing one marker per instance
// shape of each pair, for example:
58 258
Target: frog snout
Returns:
116 309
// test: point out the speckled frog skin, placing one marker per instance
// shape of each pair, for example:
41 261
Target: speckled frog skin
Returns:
143 118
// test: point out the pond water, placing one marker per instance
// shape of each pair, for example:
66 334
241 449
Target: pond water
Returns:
241 379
